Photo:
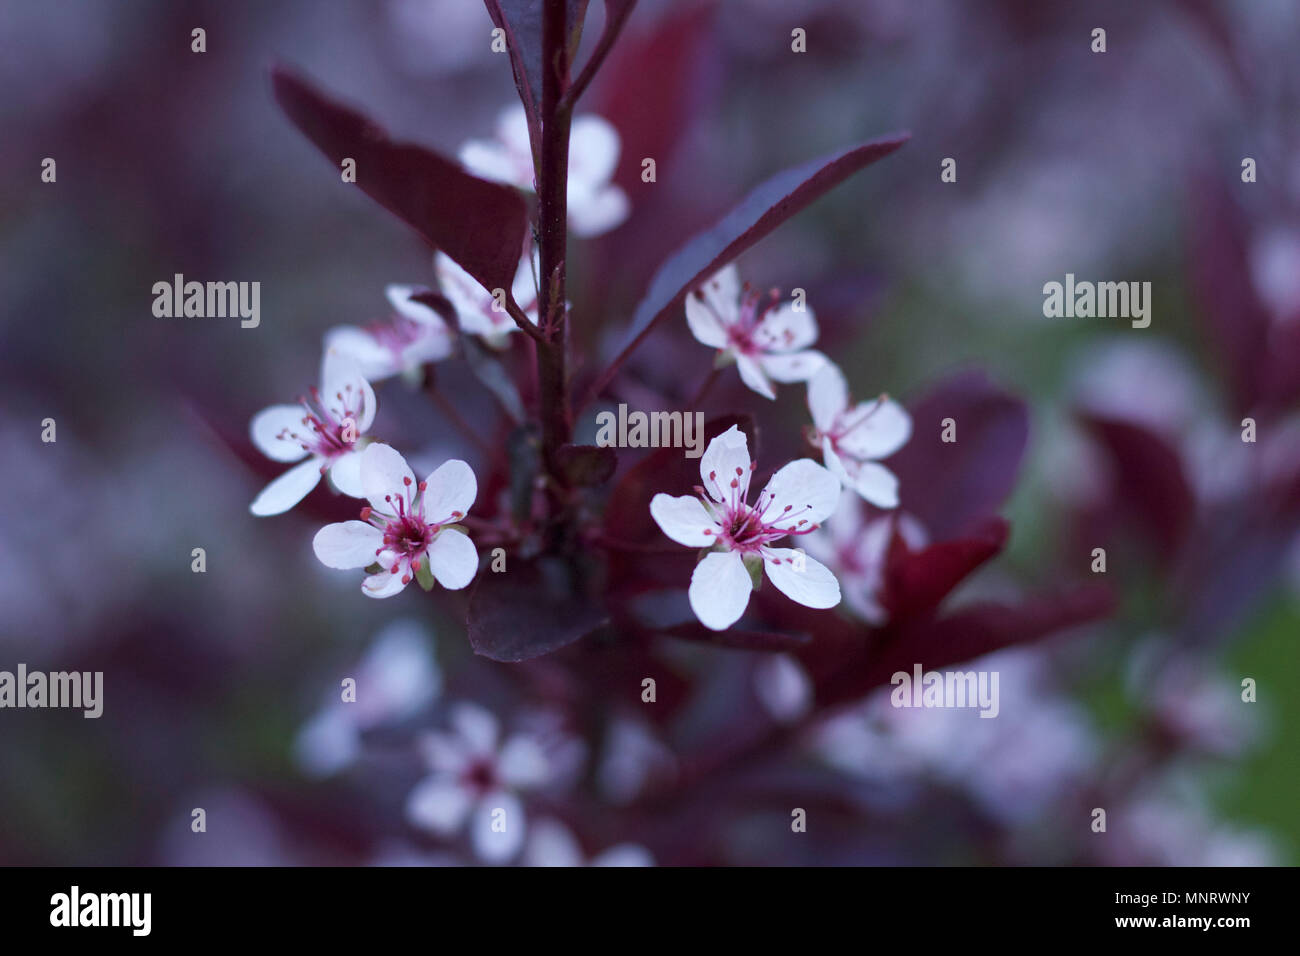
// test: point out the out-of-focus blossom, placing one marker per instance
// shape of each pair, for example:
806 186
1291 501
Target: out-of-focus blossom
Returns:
768 340
399 345
551 843
475 780
396 678
409 529
1275 268
477 310
595 204
1154 829
325 430
797 499
783 687
633 757
853 437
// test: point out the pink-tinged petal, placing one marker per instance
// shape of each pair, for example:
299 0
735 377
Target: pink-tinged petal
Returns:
373 359
522 764
502 844
345 391
449 492
719 591
268 424
828 395
434 345
684 519
453 559
624 855
786 329
593 150
873 481
487 159
874 429
722 292
801 578
704 324
478 728
439 804
287 490
752 374
385 474
794 366
345 472
399 297
347 545
595 213
803 490
445 752
724 461
383 585
470 300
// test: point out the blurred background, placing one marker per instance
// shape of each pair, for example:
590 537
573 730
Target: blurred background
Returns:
1125 165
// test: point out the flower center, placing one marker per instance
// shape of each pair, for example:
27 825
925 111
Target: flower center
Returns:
328 430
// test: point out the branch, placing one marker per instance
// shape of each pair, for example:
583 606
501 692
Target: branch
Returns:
616 15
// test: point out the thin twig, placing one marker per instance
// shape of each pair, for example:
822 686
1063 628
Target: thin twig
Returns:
613 27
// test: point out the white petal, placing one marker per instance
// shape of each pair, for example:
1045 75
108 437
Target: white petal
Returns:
345 391
497 846
382 585
593 149
722 291
445 752
373 359
794 366
347 545
473 303
595 213
786 329
724 461
438 804
704 323
477 727
512 131
550 843
624 855
397 676
266 426
327 743
684 519
287 490
385 475
345 472
453 559
873 481
487 159
719 591
752 374
874 429
399 297
800 578
783 687
805 491
523 764
524 287
828 395
449 492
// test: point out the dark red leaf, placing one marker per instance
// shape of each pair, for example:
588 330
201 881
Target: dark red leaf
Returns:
530 609
916 581
480 225
522 22
767 207
953 486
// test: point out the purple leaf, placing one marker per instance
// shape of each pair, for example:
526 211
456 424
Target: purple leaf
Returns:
480 225
917 581
767 207
522 22
530 609
952 486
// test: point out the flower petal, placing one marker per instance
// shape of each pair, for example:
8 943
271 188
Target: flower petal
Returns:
522 764
624 855
873 481
372 359
345 392
793 366
453 559
287 490
449 492
385 476
497 844
724 461
802 579
345 472
478 728
786 329
719 591
267 425
874 429
805 491
684 519
438 804
550 843
828 395
593 149
704 323
722 291
399 297
347 545
382 585
591 214
752 374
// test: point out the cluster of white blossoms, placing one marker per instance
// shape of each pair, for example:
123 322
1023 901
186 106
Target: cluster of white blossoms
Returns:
770 341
